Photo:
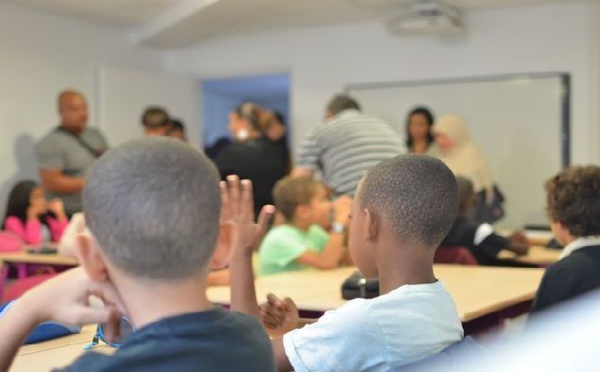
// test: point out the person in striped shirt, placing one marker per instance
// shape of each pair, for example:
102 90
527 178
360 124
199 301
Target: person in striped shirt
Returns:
346 146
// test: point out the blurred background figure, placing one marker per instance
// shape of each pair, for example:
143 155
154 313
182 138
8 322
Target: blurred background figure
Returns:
418 130
454 146
252 155
156 121
178 130
272 124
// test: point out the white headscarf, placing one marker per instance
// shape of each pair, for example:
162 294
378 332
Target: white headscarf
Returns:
464 158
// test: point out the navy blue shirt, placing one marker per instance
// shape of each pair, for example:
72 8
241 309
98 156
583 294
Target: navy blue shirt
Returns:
462 234
214 340
568 278
259 160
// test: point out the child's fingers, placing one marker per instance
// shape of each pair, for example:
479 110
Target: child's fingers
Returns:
234 194
247 201
290 304
108 294
269 318
112 328
275 301
275 310
225 202
88 315
264 218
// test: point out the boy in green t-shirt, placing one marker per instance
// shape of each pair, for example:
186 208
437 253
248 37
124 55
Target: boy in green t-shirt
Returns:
302 240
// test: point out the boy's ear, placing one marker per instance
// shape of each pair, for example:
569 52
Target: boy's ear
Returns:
561 232
90 257
373 223
301 211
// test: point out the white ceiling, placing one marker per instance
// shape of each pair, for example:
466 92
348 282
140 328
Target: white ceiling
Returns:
178 23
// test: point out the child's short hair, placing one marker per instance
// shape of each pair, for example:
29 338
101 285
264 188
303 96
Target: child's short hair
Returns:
290 192
573 199
416 194
153 205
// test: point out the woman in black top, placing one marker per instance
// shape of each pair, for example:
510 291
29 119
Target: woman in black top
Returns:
252 156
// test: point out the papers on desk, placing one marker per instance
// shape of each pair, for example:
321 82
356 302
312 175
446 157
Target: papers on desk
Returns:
539 234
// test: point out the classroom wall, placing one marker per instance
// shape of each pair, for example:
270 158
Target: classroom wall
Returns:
39 56
595 80
321 61
125 93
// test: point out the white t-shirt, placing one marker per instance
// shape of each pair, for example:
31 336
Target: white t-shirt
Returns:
408 324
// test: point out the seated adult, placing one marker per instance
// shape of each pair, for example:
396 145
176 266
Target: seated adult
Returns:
346 146
66 154
454 146
251 155
156 122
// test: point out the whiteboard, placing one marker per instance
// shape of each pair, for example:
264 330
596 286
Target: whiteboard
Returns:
520 122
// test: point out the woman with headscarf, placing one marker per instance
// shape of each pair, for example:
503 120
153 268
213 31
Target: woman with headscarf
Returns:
453 145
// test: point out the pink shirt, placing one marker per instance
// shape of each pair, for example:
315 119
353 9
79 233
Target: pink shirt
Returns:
31 231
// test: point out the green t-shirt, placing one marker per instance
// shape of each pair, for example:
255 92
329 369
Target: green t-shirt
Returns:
284 244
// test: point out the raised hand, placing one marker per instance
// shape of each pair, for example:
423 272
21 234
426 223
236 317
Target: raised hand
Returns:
245 236
238 226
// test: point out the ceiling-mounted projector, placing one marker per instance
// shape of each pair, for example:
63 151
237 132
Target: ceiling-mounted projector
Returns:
427 17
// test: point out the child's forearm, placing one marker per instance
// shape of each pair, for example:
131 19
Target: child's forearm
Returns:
243 293
33 231
15 325
334 250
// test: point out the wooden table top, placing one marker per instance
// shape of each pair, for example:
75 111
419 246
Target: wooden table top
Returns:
56 353
36 258
477 290
537 255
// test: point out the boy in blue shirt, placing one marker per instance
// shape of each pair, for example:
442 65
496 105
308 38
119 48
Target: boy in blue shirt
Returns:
302 240
402 210
152 207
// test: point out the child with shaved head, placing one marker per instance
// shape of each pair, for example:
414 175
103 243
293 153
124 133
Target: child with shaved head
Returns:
152 207
402 210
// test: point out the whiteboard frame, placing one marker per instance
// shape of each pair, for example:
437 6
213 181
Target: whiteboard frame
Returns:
565 100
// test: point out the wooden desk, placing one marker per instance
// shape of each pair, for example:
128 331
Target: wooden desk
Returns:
22 259
42 259
55 353
538 237
539 256
477 290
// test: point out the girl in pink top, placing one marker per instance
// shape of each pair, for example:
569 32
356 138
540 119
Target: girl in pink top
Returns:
28 214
